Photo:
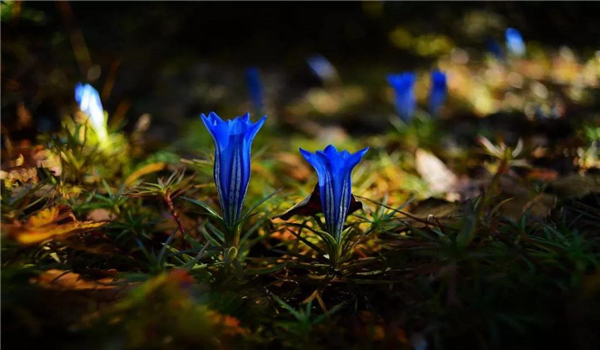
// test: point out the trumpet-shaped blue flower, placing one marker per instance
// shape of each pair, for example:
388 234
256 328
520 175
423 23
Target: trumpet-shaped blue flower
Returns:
255 87
233 141
494 48
403 85
514 42
323 68
438 91
89 103
334 170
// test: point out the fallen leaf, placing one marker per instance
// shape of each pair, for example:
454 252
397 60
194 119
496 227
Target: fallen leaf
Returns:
145 170
311 205
576 185
50 223
65 280
543 174
101 215
76 293
537 205
24 116
435 173
434 207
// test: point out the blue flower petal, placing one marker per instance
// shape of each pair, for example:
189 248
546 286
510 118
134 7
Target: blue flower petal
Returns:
438 91
403 85
334 170
89 103
233 142
255 87
514 42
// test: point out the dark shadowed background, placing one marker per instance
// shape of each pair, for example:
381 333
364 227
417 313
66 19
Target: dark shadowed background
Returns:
174 60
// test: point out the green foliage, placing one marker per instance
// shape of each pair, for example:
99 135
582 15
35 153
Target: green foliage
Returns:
402 271
506 256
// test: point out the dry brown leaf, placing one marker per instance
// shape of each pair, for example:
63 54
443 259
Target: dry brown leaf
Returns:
543 174
434 207
311 205
24 116
20 164
22 175
437 175
576 185
538 205
101 215
65 280
72 290
145 170
50 223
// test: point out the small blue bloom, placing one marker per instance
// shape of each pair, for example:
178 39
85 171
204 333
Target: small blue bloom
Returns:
437 94
403 85
233 141
334 170
255 87
492 46
514 42
322 67
89 103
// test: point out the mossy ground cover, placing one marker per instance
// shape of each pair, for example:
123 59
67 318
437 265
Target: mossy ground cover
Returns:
477 226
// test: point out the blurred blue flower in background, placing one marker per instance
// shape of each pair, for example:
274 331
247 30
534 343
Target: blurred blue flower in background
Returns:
403 85
323 68
494 48
255 88
334 170
514 42
233 142
89 103
438 91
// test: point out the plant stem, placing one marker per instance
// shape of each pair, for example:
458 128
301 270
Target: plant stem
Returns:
237 232
174 212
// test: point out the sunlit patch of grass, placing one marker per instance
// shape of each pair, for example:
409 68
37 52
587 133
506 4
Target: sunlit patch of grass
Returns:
463 234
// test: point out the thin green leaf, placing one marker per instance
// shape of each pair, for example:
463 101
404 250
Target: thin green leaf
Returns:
264 199
204 206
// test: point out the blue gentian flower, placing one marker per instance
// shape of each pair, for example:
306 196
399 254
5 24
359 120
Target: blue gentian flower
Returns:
492 46
438 91
403 85
322 67
514 42
334 170
89 103
255 87
233 140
